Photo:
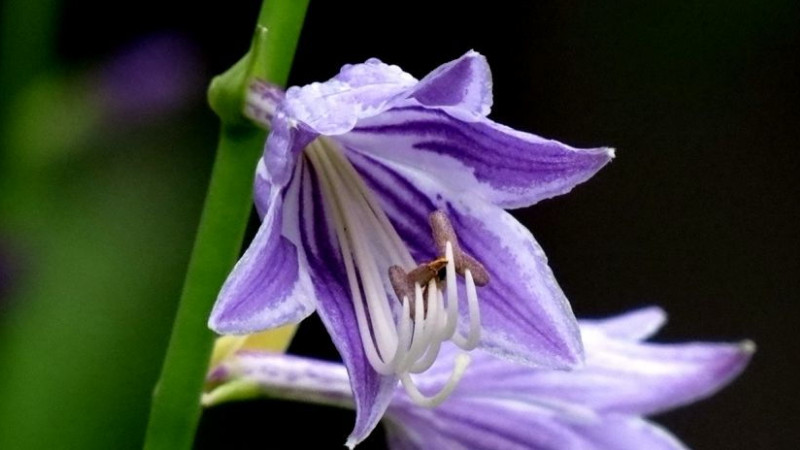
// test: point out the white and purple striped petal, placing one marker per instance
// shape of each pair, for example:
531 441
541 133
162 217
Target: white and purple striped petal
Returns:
503 166
465 83
268 287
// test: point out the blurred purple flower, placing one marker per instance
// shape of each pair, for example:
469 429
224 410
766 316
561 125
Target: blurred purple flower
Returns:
499 404
153 76
355 171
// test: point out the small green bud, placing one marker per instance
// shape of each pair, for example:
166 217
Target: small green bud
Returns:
227 91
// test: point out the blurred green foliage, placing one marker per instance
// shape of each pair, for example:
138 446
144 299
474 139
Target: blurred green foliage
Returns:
102 215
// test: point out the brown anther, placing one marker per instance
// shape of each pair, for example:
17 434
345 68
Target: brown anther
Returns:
404 283
426 272
443 233
479 274
403 287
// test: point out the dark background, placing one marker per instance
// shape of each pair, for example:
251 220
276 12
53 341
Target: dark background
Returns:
696 214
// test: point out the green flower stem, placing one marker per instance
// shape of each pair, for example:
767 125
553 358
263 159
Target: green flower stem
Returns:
176 401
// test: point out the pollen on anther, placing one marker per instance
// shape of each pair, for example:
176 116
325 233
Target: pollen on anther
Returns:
443 232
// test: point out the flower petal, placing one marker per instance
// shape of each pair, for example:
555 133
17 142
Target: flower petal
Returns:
621 432
505 423
289 376
281 151
647 378
634 325
524 314
360 90
372 391
618 377
464 83
267 287
473 154
478 424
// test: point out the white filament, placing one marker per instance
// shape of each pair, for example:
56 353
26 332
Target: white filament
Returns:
459 367
402 337
474 334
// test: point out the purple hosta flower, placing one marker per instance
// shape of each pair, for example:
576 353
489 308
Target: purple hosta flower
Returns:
503 405
382 202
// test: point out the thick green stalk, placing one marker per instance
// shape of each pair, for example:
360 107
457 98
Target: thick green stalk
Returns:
176 401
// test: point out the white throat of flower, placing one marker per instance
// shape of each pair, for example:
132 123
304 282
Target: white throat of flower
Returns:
406 338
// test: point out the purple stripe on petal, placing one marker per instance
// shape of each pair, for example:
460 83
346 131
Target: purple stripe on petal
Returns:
465 83
314 233
335 307
372 391
262 189
524 314
506 167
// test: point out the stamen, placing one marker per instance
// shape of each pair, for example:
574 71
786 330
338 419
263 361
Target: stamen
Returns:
443 233
433 326
428 271
452 293
380 324
474 334
428 358
424 274
404 336
431 311
388 232
417 343
470 264
400 282
363 327
459 367
404 332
